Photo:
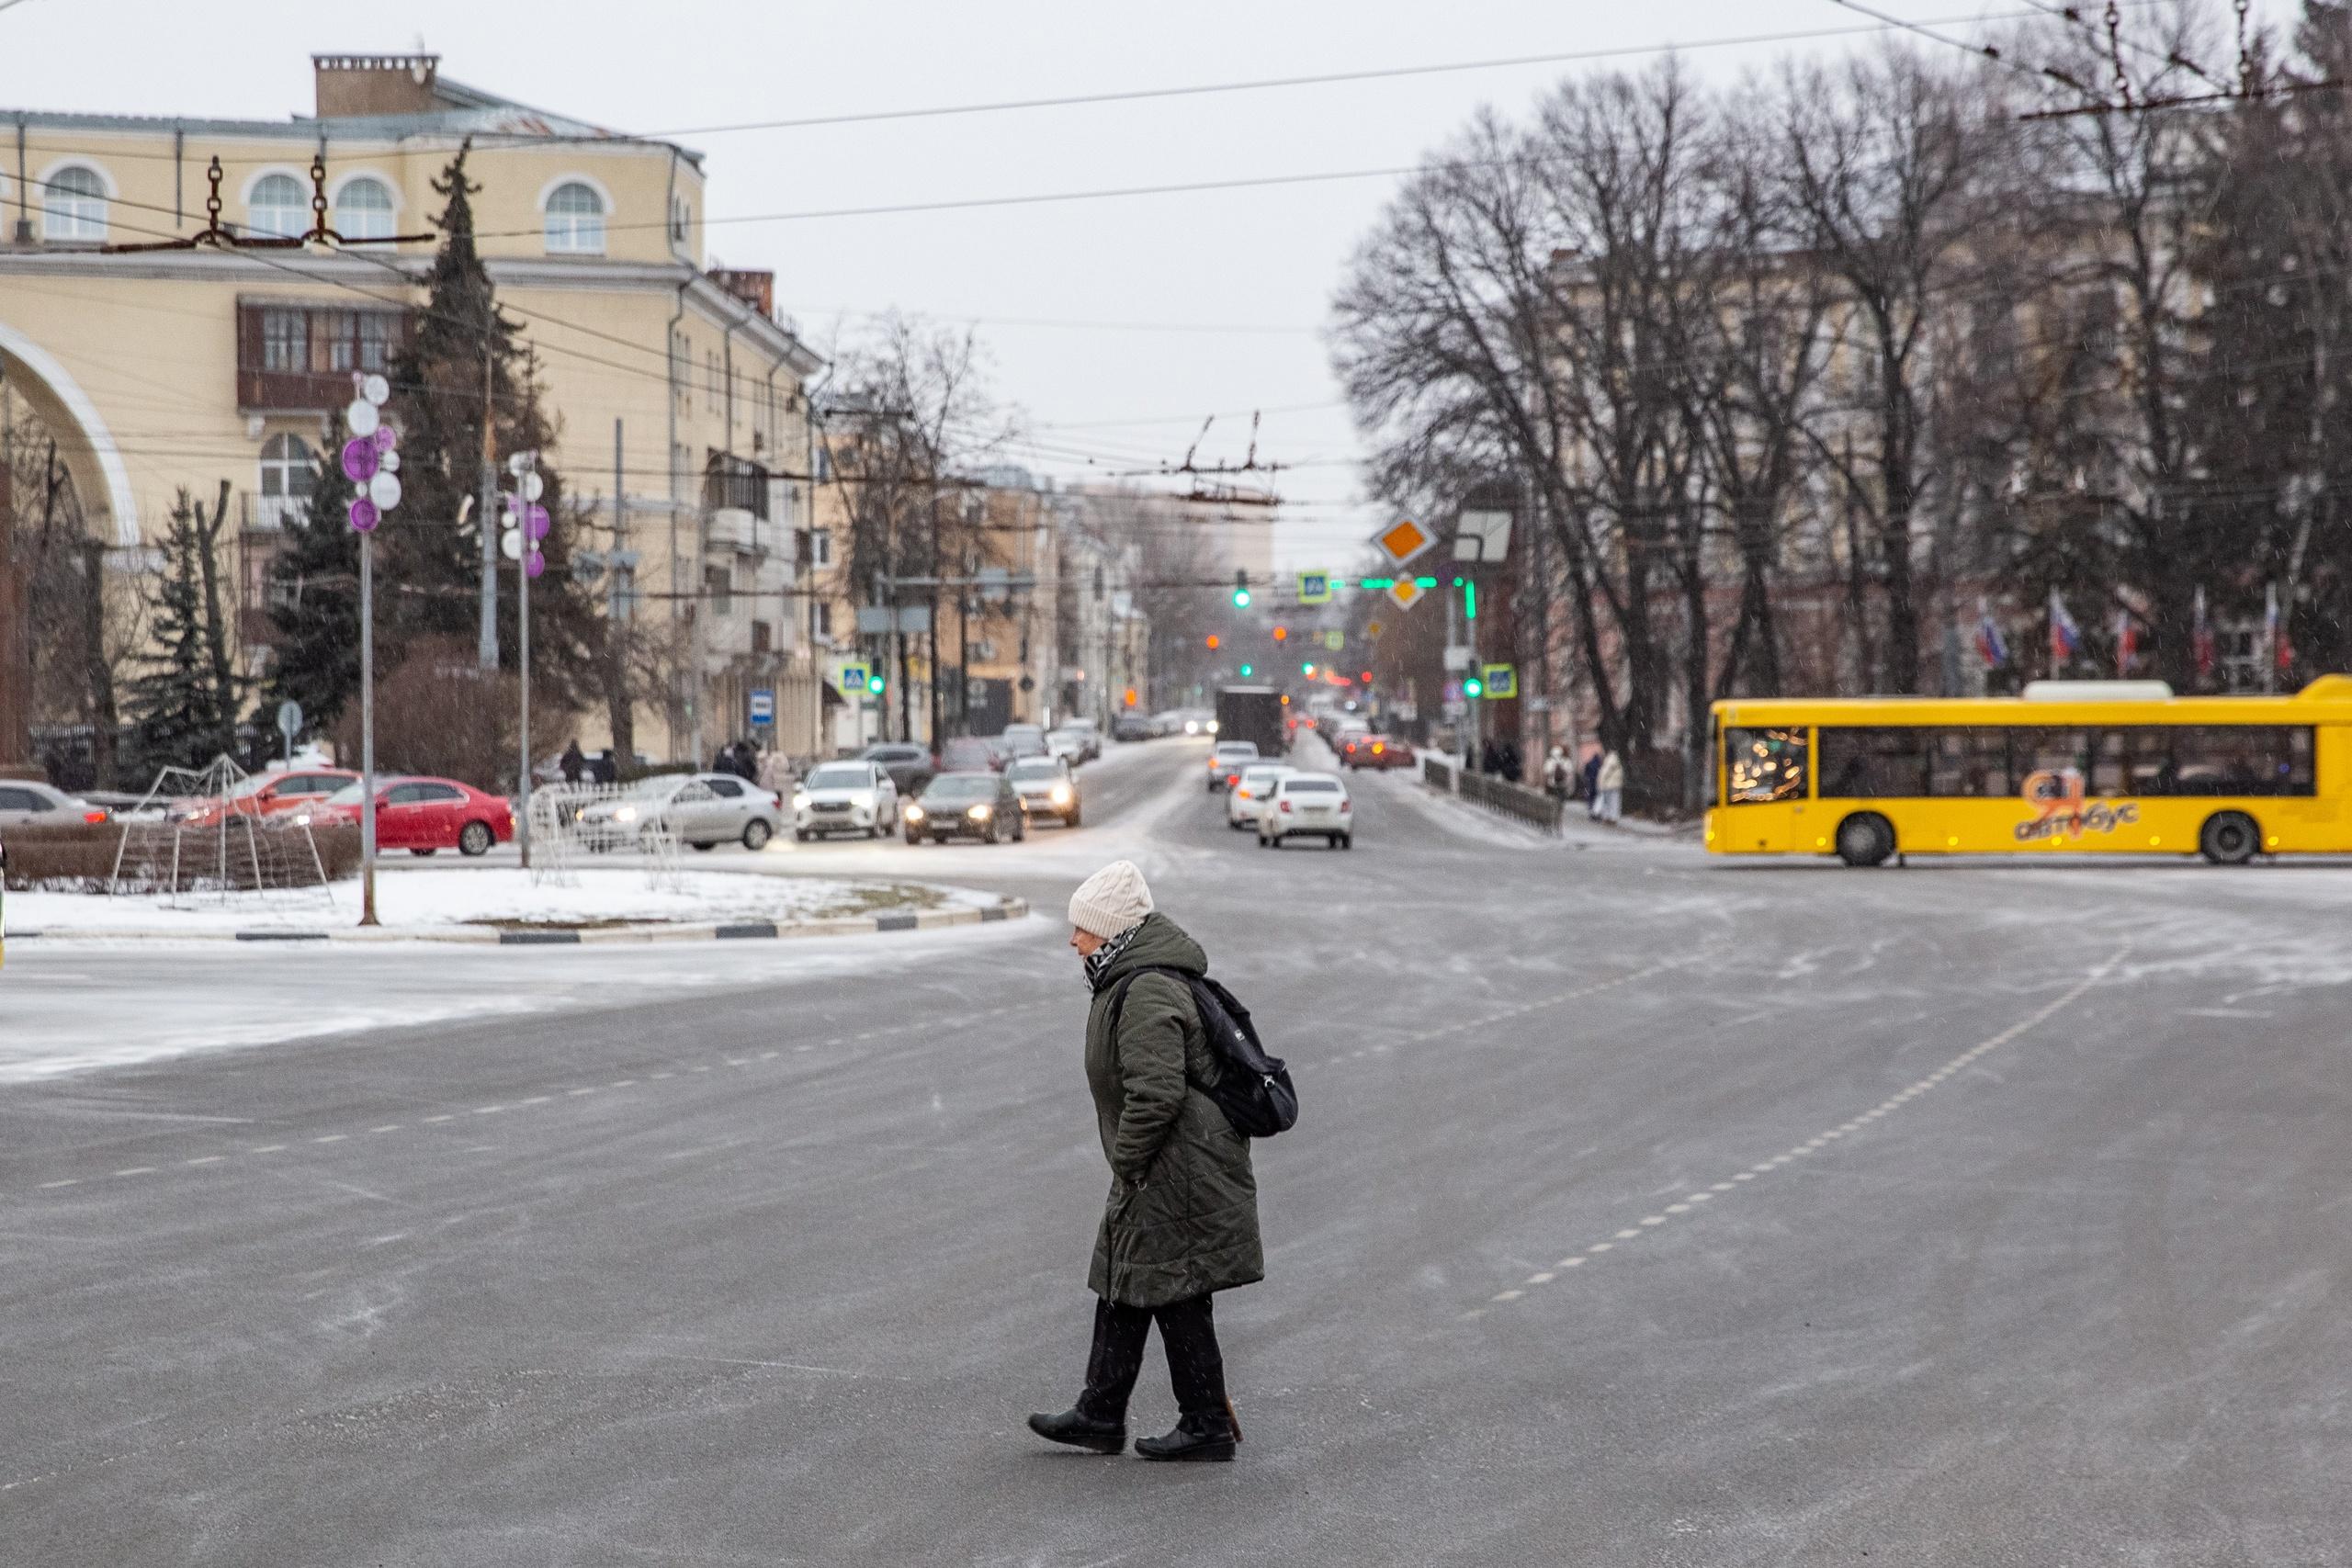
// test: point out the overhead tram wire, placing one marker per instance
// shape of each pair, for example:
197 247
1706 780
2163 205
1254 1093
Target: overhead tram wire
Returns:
1980 52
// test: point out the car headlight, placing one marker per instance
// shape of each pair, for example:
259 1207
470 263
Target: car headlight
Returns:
799 800
914 812
1212 726
1060 794
980 813
624 814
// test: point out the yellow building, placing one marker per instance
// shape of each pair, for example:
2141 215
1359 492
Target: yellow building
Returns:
679 395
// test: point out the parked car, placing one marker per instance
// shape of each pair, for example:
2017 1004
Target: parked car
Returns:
1249 794
1226 762
1067 746
703 810
969 754
908 765
1312 806
1046 788
1135 727
24 804
844 797
1368 751
966 805
1090 735
265 795
421 815
1024 740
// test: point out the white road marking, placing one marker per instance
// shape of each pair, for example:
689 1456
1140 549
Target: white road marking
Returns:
488 1109
543 1099
205 1159
579 1091
331 1139
432 1119
69 1181
268 1149
137 1170
387 1127
1678 1207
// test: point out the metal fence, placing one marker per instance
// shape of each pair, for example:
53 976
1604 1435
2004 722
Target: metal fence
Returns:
1436 774
1501 796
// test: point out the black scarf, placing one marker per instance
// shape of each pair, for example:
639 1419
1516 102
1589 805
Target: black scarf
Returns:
1098 961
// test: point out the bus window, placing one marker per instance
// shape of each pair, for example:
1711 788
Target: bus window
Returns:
1968 762
1873 764
2035 752
1764 764
2213 759
2110 768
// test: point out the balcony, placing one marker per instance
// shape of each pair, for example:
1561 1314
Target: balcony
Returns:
736 483
299 358
732 528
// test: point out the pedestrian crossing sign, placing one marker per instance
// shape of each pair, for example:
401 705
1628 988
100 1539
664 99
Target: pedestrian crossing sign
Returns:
1501 681
1315 587
853 682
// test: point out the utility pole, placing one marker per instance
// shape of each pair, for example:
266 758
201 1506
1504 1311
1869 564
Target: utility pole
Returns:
526 568
485 507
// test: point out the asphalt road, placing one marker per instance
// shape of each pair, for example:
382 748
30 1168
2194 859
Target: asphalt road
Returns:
1642 1210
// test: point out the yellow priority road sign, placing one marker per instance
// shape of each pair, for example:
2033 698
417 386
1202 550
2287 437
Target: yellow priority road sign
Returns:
1404 540
1406 591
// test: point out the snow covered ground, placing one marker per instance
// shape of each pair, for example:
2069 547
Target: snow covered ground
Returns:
429 900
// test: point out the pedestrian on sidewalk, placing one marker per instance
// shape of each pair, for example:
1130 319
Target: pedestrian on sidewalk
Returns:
1592 787
1556 774
573 764
1181 1219
1610 782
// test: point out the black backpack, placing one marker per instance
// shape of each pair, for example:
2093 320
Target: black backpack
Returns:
1254 1089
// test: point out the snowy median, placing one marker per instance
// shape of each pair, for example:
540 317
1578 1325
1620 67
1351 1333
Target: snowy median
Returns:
513 908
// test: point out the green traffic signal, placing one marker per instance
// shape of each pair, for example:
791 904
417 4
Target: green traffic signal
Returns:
1308 668
875 684
1247 671
1473 686
1241 598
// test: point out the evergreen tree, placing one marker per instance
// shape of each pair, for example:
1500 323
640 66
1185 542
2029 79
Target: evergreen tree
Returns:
314 601
465 362
183 712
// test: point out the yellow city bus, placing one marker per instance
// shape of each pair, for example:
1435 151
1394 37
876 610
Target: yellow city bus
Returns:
2118 767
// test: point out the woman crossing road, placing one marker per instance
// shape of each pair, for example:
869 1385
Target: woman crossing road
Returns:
1181 1221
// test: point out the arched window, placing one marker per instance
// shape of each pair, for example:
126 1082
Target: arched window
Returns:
74 207
280 209
363 210
576 220
288 469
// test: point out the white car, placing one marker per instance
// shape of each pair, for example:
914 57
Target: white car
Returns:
1311 805
1089 737
1046 789
703 810
845 798
24 804
1065 746
1245 802
1228 760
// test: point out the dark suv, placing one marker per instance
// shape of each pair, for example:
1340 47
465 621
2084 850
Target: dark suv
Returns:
909 766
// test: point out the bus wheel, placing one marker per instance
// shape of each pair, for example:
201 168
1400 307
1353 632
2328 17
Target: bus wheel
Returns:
2229 837
1865 838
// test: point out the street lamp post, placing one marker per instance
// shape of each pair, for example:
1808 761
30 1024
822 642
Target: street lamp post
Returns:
371 461
527 526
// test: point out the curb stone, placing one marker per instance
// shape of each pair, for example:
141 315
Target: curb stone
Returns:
487 936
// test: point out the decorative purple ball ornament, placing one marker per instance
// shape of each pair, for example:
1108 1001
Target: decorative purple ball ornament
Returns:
534 563
385 438
359 459
364 515
539 523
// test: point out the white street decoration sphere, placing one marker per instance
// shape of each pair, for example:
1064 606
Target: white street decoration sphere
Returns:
361 417
376 390
532 486
384 489
387 460
510 545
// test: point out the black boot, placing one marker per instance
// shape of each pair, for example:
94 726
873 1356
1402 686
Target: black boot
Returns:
1080 1430
1209 1435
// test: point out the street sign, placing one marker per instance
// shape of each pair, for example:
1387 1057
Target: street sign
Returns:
1406 591
1457 660
1483 536
1372 629
1404 540
853 679
1315 587
1334 638
763 705
290 719
1501 680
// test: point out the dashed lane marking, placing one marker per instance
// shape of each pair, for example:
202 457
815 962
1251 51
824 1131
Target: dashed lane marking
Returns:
1650 1224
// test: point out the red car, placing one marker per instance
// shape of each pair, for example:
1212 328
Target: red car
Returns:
1376 752
267 795
425 815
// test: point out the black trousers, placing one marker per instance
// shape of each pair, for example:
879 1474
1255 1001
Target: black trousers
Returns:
1188 1333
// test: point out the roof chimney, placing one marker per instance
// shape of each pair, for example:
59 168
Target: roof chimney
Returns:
356 85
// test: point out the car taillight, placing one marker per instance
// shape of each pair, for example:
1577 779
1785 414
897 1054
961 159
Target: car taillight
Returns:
1344 806
93 816
1285 805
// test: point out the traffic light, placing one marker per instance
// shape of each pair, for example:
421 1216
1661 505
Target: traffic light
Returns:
1282 634
1472 686
1130 695
1240 589
1307 668
1248 670
1212 642
876 682
1366 677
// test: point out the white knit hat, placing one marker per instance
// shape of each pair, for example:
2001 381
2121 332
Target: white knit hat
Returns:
1110 900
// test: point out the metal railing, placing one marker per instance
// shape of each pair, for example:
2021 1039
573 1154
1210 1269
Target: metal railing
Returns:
1533 807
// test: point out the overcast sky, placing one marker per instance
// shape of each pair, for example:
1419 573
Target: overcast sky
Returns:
1115 324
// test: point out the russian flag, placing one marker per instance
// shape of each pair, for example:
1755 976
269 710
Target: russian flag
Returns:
2201 640
1991 647
2126 642
2064 636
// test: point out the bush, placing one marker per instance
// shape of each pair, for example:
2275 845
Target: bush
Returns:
82 858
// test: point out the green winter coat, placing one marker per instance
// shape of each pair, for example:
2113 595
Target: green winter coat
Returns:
1181 1219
